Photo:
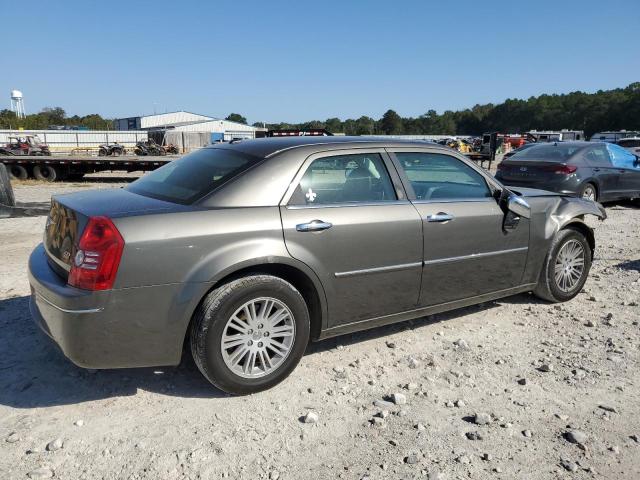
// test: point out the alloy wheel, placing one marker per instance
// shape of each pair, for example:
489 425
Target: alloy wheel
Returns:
258 337
569 265
589 193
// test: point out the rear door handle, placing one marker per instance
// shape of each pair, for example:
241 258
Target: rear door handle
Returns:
313 226
596 169
440 217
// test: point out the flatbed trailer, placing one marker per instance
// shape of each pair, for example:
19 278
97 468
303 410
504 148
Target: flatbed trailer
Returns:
72 167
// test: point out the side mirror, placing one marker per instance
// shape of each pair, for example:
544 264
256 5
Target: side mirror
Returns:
518 206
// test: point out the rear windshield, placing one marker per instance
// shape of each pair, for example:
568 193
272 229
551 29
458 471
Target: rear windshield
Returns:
629 143
547 152
193 176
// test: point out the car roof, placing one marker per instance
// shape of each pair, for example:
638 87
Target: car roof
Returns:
266 147
573 143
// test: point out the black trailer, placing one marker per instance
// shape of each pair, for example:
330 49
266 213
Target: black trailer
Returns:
74 167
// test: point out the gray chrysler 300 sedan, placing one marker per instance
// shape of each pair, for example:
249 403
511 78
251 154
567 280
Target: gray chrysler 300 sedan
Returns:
248 249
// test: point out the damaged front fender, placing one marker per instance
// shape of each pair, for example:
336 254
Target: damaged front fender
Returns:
569 209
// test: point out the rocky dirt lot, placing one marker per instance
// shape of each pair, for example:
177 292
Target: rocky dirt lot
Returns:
513 389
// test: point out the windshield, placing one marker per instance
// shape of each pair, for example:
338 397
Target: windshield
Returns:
548 152
193 176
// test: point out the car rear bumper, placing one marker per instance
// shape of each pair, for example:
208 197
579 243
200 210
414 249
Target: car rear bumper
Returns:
133 327
570 186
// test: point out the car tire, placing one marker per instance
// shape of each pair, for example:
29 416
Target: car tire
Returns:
18 172
589 191
223 309
552 287
45 173
6 191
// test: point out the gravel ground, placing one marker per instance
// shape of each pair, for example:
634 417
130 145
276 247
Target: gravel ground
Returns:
513 389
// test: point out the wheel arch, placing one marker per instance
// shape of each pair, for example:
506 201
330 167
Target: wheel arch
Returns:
580 226
290 270
596 184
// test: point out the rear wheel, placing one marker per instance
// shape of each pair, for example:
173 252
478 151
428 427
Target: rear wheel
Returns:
45 172
18 172
6 192
566 267
589 192
249 334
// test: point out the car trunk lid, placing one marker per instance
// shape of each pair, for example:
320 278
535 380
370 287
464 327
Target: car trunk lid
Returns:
70 213
532 171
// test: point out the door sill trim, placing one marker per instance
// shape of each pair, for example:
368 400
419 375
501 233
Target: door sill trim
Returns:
421 312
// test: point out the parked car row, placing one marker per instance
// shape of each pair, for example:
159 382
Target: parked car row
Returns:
596 170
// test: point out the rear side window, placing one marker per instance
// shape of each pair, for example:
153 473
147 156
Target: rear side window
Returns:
597 156
435 176
193 176
345 179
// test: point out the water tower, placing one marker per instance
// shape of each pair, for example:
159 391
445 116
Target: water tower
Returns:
17 103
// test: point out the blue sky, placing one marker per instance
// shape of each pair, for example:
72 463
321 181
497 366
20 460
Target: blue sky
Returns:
295 61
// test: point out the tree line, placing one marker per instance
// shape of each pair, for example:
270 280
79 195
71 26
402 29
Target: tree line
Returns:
53 116
615 109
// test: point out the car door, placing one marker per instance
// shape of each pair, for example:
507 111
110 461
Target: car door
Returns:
605 173
629 170
347 217
467 252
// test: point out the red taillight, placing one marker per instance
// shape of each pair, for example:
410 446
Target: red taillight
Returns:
97 256
565 169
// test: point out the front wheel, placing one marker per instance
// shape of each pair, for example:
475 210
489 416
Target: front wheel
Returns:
249 334
566 267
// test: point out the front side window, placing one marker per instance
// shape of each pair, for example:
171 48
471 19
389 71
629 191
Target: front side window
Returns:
621 157
436 176
345 179
193 176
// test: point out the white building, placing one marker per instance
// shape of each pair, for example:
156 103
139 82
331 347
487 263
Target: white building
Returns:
182 121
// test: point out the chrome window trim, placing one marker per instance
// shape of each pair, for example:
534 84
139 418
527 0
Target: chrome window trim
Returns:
349 204
367 271
456 200
473 256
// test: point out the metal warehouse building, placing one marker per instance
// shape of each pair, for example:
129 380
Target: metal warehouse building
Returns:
218 129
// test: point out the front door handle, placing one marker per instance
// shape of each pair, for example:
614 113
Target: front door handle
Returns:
596 169
313 226
440 217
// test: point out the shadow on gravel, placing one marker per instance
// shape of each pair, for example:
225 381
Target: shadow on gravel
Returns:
629 265
386 330
25 209
34 373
